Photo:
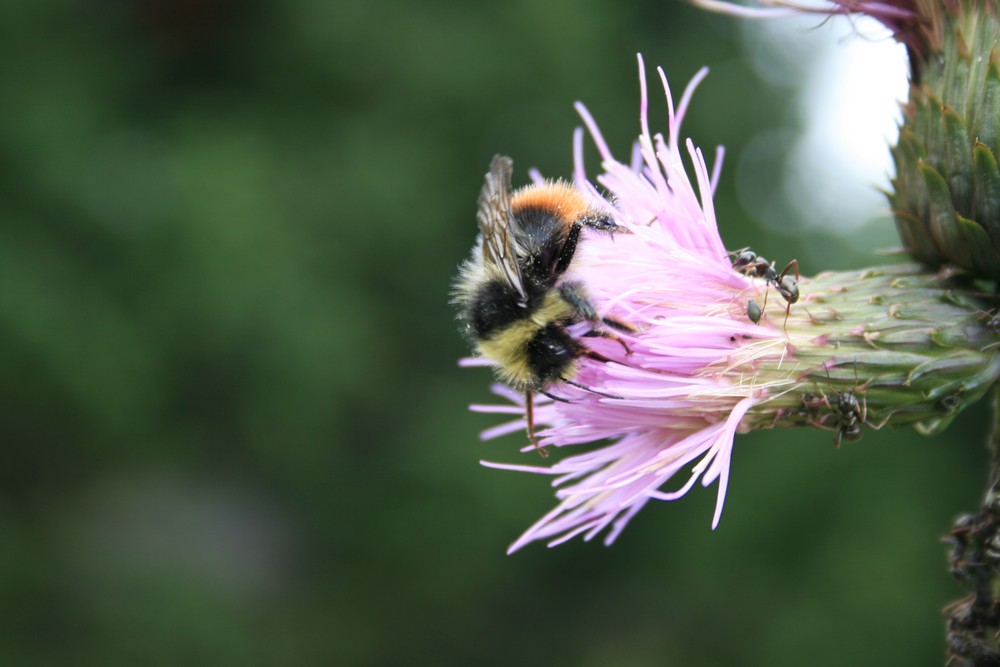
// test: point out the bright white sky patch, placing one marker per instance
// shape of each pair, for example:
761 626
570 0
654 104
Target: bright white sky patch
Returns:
849 77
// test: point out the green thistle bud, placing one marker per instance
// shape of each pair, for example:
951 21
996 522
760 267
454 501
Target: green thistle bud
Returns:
946 197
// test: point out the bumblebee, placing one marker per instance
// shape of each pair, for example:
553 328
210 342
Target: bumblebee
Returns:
514 300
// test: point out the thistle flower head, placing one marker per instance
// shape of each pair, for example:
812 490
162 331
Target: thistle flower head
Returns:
672 403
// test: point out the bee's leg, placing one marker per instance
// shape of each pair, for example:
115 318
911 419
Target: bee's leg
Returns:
610 335
575 295
603 223
618 324
529 416
568 249
596 356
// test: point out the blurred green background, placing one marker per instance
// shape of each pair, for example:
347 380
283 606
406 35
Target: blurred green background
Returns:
234 431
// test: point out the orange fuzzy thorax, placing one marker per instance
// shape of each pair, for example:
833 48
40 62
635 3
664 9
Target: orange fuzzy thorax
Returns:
557 196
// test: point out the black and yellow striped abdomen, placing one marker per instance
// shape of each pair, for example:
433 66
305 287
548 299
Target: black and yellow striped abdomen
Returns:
529 341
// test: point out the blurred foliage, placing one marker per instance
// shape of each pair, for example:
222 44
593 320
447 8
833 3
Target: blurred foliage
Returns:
234 429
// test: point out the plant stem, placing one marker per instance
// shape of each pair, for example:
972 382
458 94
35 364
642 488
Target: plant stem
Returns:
973 622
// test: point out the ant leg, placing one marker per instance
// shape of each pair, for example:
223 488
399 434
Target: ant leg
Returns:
812 404
529 415
818 422
860 390
788 287
879 425
792 264
821 423
824 399
742 259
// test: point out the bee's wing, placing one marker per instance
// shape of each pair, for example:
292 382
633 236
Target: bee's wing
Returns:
495 221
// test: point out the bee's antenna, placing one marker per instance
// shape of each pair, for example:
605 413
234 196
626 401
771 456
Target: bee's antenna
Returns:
554 397
592 391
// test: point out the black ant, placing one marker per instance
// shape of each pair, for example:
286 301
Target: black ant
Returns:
750 263
850 416
849 413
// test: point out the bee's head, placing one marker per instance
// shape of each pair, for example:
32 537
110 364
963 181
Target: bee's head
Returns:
551 352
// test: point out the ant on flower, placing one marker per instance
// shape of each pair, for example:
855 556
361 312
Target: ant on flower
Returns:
751 264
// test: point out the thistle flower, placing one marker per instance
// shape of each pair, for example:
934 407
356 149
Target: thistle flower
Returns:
859 349
680 397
